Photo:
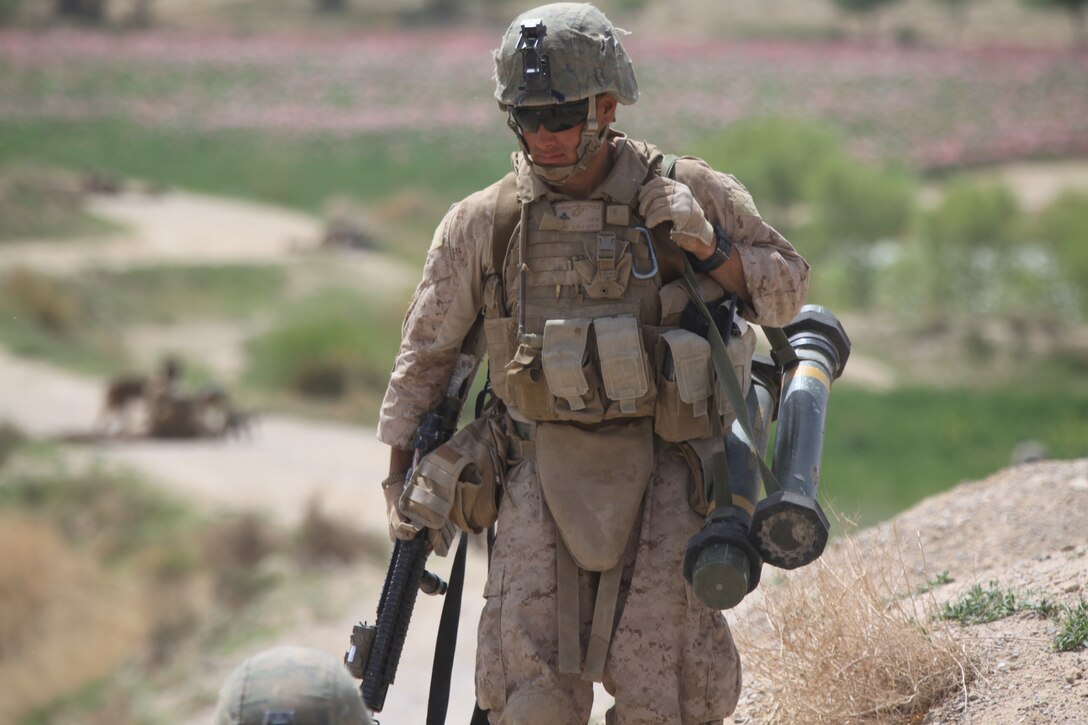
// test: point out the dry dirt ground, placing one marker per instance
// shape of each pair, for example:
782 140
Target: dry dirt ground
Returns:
1025 527
1023 530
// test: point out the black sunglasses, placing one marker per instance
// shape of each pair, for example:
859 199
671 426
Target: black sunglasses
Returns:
561 117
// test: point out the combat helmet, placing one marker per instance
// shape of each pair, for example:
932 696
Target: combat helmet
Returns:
291 686
560 53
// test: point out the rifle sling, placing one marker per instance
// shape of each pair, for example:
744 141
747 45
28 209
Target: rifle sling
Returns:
446 645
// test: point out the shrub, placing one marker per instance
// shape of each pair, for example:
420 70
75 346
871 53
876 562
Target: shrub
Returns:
845 623
1073 629
321 539
979 606
1063 226
10 439
234 551
857 204
327 346
973 214
47 302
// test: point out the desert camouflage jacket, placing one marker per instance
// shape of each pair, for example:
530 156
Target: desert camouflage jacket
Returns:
449 298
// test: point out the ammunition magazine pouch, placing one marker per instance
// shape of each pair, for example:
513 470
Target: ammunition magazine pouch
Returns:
703 456
459 481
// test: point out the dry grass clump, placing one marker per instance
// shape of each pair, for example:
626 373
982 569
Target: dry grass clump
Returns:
321 539
846 640
51 304
64 622
235 551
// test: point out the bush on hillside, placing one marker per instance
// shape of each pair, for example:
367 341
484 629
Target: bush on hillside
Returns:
1063 227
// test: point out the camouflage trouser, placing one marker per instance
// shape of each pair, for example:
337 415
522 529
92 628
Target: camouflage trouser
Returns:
671 659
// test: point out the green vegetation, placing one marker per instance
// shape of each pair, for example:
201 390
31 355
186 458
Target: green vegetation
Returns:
884 452
301 172
330 347
981 605
938 581
77 322
168 294
1073 628
40 203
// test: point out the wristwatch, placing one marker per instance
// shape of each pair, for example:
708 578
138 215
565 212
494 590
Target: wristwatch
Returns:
723 250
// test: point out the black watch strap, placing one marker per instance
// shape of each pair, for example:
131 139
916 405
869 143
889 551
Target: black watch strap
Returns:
723 250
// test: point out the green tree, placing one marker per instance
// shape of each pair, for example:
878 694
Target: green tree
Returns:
853 206
973 215
967 239
1078 16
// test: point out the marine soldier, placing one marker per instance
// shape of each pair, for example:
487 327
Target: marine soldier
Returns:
290 686
609 403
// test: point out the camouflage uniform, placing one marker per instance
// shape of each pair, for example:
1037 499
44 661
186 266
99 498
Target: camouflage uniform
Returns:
670 659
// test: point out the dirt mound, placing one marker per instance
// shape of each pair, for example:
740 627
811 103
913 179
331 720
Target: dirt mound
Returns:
1022 531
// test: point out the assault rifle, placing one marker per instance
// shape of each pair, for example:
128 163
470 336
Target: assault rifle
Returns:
375 649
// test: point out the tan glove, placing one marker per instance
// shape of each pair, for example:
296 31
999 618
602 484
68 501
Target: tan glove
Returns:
400 526
662 199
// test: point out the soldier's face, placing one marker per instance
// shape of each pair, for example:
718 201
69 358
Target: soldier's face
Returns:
560 148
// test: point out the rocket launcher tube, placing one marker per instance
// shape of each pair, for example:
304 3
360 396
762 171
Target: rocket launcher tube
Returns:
789 527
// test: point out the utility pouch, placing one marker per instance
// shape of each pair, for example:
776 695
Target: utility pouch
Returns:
526 384
702 455
606 268
593 483
624 363
569 371
459 481
685 392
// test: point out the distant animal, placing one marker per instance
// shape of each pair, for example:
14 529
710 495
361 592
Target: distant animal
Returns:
122 394
239 424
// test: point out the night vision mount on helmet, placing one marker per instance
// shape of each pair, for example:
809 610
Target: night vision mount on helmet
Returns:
560 53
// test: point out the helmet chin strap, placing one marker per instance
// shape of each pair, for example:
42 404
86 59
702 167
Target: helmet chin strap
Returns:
588 146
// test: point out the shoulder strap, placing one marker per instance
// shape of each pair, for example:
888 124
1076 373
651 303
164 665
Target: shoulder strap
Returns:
726 374
507 213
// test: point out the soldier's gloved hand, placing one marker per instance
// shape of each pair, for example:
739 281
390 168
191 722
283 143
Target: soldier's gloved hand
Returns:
662 199
400 526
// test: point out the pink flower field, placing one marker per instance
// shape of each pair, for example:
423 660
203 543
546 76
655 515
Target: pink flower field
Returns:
928 108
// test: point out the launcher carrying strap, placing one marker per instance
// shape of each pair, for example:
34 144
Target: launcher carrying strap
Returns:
784 355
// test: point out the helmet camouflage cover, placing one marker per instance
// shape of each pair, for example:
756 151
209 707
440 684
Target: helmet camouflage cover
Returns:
291 686
559 53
